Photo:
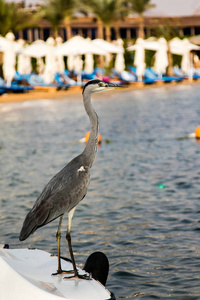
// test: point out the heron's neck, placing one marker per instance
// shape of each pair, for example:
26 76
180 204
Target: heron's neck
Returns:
91 146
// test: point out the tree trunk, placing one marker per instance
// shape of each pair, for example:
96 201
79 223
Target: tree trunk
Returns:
21 34
55 33
68 27
141 27
100 35
100 29
30 35
117 31
170 66
108 34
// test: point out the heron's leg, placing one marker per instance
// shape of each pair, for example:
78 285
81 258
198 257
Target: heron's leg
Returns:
58 238
68 238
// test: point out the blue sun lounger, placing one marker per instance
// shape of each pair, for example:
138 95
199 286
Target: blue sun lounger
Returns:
14 87
150 73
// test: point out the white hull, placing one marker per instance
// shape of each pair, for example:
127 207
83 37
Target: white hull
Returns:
26 275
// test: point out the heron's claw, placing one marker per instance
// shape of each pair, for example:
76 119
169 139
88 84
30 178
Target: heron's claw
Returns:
59 272
84 276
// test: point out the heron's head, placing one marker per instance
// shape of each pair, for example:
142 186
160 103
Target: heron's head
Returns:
96 86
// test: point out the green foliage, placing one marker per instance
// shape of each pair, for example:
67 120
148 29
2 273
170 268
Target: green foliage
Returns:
34 64
166 30
4 19
128 55
106 10
12 18
51 13
55 11
140 6
149 58
176 59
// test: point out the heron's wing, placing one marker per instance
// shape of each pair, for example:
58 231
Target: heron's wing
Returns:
67 192
71 181
63 192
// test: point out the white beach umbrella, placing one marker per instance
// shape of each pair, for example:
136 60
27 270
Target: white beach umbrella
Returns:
119 60
78 66
4 42
36 49
89 63
186 63
108 47
108 58
50 62
9 58
139 59
148 44
78 46
184 48
40 65
161 59
24 64
78 63
177 46
195 39
60 65
24 61
70 62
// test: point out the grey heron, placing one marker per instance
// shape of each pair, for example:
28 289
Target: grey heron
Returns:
69 186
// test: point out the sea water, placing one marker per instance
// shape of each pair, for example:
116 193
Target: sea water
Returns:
143 205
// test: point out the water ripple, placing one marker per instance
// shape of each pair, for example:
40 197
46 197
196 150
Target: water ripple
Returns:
142 209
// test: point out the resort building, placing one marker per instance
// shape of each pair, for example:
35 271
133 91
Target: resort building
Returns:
184 15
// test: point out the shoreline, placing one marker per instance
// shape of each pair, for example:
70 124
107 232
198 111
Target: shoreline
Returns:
39 95
75 93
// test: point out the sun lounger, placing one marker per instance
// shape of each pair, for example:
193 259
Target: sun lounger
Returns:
61 80
145 79
37 82
68 79
14 87
192 73
2 90
150 73
88 76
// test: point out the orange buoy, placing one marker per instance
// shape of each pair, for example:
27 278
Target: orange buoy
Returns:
197 132
87 137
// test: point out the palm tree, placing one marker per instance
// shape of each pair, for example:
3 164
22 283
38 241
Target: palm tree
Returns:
52 14
13 18
107 12
58 11
139 7
4 20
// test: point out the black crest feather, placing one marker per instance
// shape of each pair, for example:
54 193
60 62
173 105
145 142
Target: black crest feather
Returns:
93 81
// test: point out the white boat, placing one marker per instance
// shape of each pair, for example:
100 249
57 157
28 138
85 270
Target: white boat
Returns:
26 275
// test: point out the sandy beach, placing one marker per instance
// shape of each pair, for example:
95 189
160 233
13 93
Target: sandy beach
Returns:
40 94
74 93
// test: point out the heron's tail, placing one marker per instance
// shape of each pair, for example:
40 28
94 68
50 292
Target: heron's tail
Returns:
35 218
29 226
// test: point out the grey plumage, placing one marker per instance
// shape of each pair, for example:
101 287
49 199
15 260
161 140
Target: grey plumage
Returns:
68 187
60 195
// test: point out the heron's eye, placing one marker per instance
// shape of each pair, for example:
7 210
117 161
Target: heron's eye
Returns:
101 84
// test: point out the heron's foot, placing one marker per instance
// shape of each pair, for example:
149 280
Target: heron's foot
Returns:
60 272
79 276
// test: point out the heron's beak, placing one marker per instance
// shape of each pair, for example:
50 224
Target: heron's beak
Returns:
111 86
